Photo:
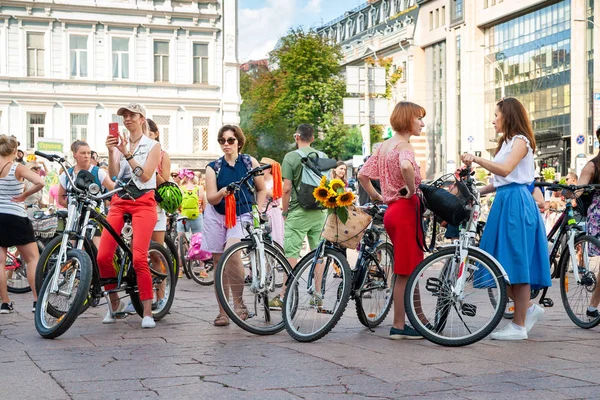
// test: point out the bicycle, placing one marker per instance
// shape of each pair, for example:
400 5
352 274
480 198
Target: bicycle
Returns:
322 284
466 286
578 266
267 264
74 282
201 272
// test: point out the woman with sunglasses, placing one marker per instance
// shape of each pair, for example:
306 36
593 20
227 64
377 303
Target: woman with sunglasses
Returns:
233 167
132 159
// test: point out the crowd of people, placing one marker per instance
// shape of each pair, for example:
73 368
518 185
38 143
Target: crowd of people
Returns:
515 233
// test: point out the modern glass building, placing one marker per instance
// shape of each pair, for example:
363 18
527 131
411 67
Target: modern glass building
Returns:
530 56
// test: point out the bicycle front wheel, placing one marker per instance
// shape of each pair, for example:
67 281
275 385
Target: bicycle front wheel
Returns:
576 294
203 272
316 297
57 310
248 305
374 297
455 319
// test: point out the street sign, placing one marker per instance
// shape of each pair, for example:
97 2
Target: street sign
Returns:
355 111
357 79
596 96
596 144
50 146
596 110
580 139
470 139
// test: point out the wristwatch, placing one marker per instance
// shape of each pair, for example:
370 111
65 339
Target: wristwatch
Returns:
284 214
128 157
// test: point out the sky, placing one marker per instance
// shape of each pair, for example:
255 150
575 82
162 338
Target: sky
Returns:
262 22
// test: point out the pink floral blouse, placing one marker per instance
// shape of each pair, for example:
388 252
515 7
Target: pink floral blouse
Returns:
387 169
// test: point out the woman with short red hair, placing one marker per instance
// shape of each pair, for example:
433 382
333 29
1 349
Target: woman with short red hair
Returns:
393 163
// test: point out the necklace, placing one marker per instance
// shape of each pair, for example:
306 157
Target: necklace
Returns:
134 142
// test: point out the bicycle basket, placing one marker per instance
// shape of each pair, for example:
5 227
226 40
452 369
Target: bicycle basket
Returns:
347 235
449 207
45 226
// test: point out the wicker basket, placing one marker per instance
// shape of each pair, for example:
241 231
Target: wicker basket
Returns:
347 235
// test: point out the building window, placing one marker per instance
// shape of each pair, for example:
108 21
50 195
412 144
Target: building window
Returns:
200 140
161 61
79 56
443 16
120 58
404 71
163 122
79 127
35 54
200 63
430 20
437 17
35 128
456 11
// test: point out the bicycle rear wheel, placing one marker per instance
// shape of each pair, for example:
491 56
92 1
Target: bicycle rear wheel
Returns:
576 295
202 272
248 306
183 248
57 311
163 283
448 319
315 298
374 297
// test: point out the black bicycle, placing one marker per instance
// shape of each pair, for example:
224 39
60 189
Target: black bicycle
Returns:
73 283
322 284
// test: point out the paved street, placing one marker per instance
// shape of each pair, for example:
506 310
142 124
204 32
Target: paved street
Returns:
186 357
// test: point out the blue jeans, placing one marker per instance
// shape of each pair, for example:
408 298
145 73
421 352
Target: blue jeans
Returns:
194 224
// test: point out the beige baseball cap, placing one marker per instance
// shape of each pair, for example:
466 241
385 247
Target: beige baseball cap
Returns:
134 108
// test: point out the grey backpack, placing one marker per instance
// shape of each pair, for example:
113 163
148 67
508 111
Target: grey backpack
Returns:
315 165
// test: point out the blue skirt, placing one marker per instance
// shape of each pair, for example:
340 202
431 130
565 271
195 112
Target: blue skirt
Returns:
516 236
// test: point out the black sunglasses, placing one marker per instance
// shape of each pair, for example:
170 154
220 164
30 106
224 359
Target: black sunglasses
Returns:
228 140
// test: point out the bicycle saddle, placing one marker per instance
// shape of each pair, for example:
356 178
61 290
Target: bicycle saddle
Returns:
62 213
181 218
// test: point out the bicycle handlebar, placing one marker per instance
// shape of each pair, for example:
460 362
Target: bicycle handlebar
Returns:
234 186
554 186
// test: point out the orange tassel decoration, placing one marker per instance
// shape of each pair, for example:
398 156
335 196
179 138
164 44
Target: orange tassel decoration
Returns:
230 214
277 181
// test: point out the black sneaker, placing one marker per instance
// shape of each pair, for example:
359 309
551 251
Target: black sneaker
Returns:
7 308
33 306
407 333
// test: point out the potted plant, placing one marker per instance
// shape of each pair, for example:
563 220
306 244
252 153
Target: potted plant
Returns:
549 173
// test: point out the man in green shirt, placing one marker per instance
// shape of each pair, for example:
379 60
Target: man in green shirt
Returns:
299 222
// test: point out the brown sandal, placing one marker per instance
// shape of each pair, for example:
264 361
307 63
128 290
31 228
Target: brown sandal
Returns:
221 320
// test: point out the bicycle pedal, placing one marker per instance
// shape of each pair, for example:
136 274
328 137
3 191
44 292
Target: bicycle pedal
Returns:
120 315
433 285
547 303
469 309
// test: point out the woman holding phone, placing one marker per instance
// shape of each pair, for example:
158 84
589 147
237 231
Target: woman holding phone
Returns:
133 159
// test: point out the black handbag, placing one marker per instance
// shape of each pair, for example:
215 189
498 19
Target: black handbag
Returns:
445 205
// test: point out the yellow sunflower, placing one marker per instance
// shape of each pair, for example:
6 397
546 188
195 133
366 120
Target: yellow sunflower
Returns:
331 202
322 194
336 184
324 181
345 199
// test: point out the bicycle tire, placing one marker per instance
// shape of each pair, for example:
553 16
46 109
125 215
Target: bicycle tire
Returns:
183 247
586 286
296 287
82 273
196 266
439 288
370 319
271 323
22 272
165 268
172 248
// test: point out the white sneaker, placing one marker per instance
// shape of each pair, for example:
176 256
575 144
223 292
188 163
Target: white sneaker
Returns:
531 318
110 318
148 322
509 332
129 309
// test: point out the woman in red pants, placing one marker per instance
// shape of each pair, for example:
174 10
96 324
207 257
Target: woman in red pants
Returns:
133 158
393 163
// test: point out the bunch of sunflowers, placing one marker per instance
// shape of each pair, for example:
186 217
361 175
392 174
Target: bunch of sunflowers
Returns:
333 196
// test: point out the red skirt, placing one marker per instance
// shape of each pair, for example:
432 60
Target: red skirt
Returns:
400 221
